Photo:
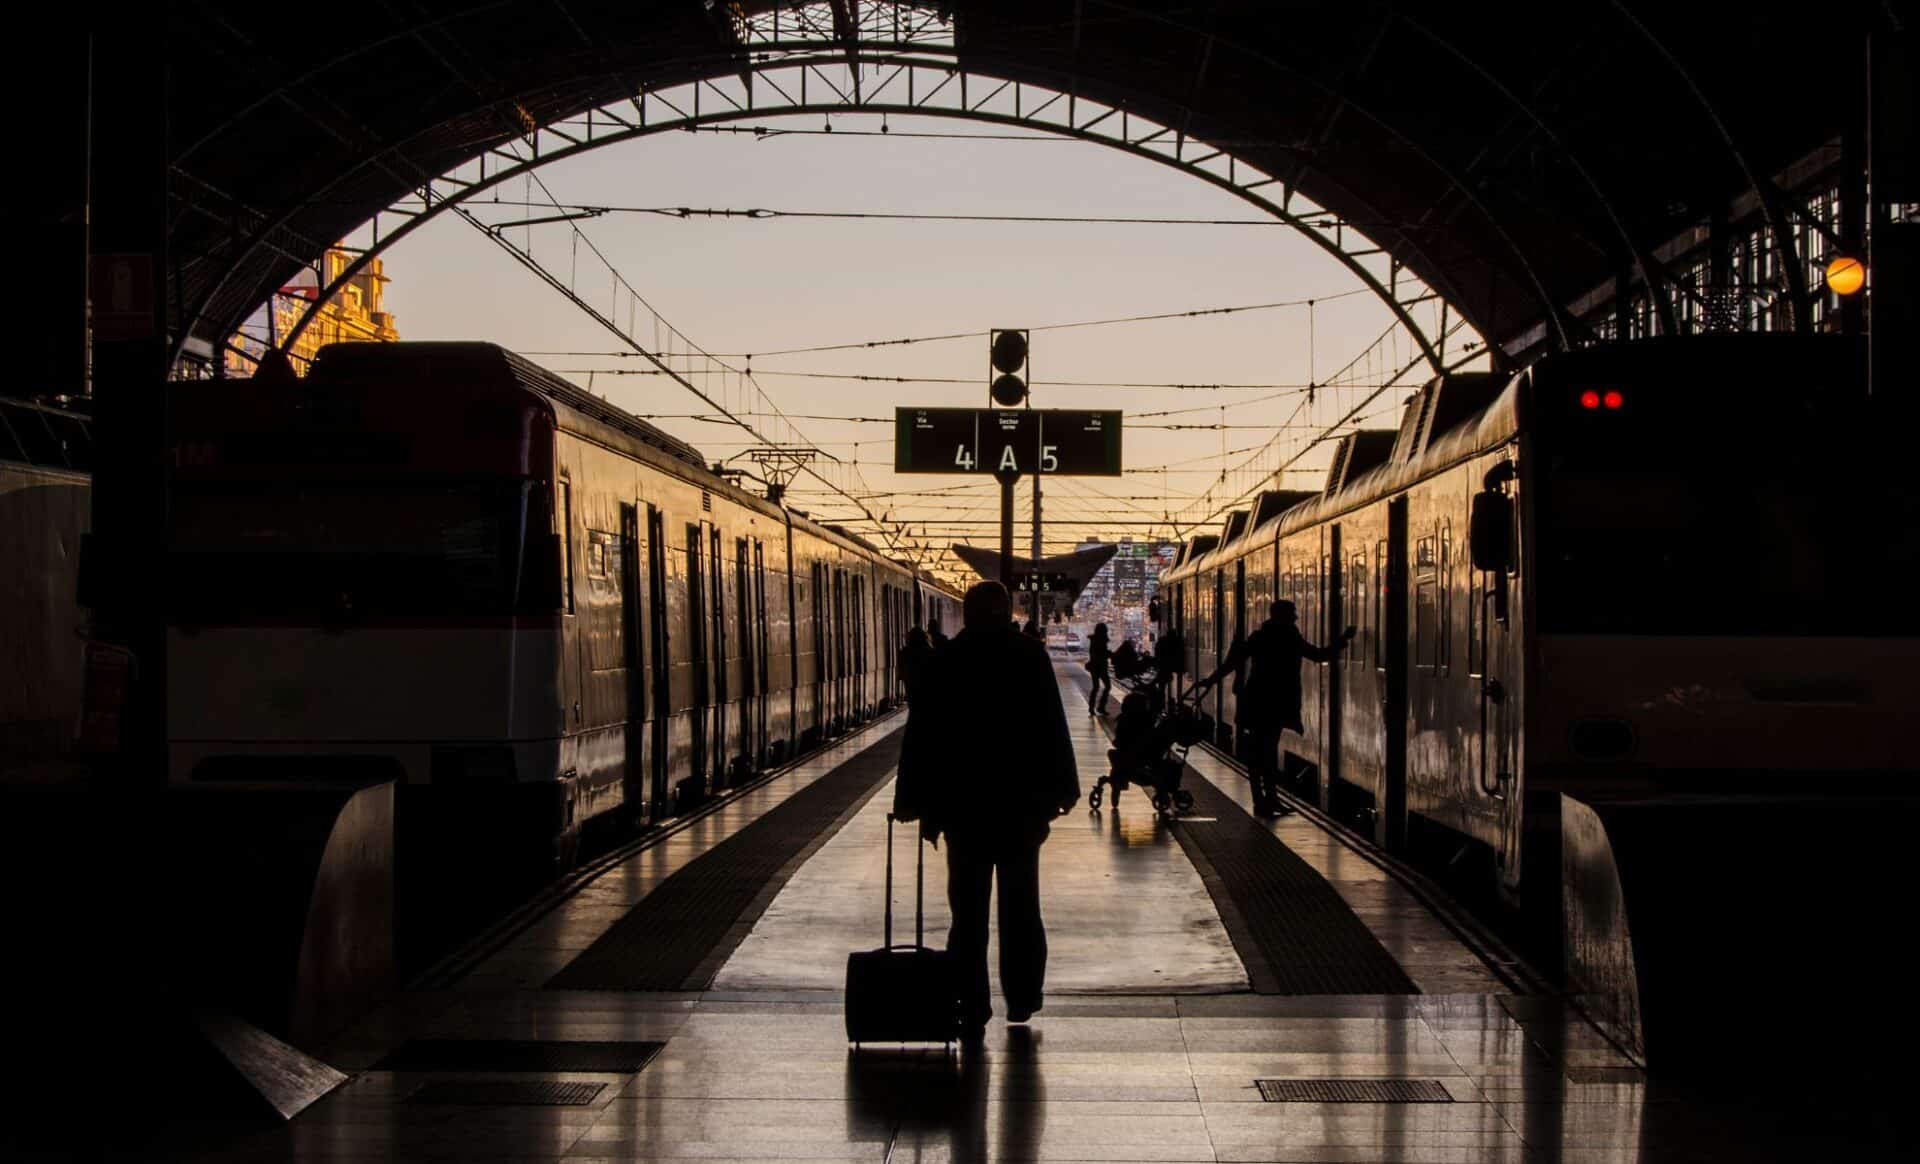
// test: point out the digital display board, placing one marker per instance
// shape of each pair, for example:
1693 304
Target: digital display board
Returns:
1049 441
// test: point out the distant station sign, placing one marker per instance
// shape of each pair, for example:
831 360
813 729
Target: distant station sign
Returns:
1053 441
1050 581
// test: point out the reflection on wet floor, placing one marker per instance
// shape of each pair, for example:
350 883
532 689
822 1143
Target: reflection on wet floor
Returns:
760 1069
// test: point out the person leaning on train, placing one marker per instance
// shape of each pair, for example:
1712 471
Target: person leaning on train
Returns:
987 762
1269 703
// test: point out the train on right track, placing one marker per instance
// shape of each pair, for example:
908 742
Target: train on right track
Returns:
1674 568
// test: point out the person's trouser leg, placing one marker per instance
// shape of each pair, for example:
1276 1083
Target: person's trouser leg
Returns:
1262 767
969 885
1023 937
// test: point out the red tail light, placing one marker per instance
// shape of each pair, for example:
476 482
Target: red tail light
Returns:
1589 399
1613 399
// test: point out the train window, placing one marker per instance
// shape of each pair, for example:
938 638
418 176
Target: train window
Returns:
1426 616
1357 604
1443 657
563 510
1379 603
603 556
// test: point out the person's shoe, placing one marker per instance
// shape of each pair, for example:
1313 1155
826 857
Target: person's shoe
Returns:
973 1034
1018 1014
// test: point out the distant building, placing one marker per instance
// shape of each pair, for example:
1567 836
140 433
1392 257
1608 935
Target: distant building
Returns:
1119 593
357 313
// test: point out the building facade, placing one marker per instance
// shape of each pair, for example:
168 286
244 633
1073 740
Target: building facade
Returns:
357 313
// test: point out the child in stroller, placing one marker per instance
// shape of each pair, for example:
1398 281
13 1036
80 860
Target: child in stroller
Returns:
1150 742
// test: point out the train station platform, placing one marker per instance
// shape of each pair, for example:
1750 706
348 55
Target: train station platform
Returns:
1221 988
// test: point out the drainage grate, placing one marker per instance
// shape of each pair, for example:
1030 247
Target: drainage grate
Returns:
1353 1091
518 1055
509 1093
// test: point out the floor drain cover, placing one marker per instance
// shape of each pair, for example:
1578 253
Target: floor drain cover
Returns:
519 1055
509 1093
1353 1091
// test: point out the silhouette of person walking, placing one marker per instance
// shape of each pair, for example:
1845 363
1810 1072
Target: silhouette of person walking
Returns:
1270 701
1098 661
913 657
986 761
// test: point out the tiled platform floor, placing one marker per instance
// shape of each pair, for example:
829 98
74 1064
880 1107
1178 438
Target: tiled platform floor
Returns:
765 1074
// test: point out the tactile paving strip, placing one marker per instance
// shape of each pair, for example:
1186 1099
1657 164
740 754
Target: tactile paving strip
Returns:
622 1058
668 937
1293 930
508 1093
1353 1091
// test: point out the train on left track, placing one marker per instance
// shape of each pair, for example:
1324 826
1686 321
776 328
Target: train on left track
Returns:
442 564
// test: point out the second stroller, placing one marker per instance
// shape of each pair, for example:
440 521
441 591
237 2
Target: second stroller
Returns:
1150 742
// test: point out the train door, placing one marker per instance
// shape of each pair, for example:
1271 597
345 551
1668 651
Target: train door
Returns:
1332 678
657 649
763 664
637 768
821 664
837 631
717 658
862 660
747 722
1179 628
700 654
1390 813
1493 668
1229 700
1218 625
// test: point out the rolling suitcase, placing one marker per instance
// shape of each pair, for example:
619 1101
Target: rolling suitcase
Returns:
903 994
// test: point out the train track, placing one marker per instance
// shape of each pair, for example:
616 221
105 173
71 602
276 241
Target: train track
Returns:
462 961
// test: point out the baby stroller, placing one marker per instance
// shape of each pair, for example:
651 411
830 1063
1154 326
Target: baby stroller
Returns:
1150 742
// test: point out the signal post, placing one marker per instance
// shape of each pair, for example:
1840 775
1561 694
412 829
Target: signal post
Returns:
1009 438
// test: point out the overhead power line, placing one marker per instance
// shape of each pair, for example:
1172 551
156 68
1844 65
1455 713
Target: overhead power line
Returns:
760 213
1123 319
1176 385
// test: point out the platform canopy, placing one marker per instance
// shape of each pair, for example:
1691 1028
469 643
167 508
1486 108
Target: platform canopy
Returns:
1522 161
1066 574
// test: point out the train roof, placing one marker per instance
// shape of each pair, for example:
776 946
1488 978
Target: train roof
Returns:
478 360
1457 416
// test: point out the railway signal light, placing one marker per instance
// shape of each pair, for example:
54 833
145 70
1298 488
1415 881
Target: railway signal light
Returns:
1846 275
1007 354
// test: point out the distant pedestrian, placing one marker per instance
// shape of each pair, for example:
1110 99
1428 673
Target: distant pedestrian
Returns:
1269 702
913 658
1098 660
987 762
1034 629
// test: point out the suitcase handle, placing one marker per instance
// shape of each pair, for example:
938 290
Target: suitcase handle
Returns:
919 890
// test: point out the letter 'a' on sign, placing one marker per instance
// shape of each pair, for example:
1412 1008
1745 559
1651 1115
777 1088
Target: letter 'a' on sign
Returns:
1007 460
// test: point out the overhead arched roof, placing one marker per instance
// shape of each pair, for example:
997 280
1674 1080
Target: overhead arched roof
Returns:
1517 156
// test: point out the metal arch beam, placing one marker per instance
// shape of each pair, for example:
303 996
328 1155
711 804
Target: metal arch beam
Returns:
613 131
1763 189
1554 314
1643 261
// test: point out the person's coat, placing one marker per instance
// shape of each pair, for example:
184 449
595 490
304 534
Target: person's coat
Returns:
986 748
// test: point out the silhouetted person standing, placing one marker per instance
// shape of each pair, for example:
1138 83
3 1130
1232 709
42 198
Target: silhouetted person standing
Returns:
987 761
1269 702
1035 631
913 658
1098 662
935 635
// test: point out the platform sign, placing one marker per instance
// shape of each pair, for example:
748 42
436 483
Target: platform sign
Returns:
1051 441
1046 582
